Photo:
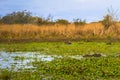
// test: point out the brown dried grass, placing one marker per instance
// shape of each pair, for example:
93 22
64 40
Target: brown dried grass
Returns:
57 31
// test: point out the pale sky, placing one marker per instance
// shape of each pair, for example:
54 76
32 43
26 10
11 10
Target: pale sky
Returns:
91 10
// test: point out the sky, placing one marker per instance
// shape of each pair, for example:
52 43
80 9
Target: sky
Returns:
90 10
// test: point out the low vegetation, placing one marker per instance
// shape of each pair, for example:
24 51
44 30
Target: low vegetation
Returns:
71 69
66 68
30 32
61 48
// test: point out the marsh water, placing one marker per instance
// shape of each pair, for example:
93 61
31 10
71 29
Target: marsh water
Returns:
22 60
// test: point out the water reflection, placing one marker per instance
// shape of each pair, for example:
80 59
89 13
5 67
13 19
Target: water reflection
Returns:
18 60
23 60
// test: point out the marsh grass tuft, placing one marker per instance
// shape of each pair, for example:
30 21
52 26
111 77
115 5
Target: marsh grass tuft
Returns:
5 75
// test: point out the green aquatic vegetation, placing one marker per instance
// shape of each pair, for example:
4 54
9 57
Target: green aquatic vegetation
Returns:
5 75
60 48
19 58
88 68
67 68
102 68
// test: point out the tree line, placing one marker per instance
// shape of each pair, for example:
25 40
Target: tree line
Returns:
25 17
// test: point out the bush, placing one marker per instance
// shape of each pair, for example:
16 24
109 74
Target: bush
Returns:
107 21
25 17
36 20
110 19
17 17
79 22
62 21
0 20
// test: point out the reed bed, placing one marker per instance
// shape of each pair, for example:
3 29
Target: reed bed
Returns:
58 32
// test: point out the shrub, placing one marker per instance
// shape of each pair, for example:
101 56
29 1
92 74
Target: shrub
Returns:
110 19
79 22
17 17
62 21
107 21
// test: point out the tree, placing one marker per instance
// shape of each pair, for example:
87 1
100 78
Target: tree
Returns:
110 18
0 20
79 22
17 17
62 21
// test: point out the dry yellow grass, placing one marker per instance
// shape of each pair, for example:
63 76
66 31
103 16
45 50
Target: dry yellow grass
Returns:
56 32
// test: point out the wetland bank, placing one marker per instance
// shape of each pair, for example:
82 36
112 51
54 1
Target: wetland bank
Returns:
60 61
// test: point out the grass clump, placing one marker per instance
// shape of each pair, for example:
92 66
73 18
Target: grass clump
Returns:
5 75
